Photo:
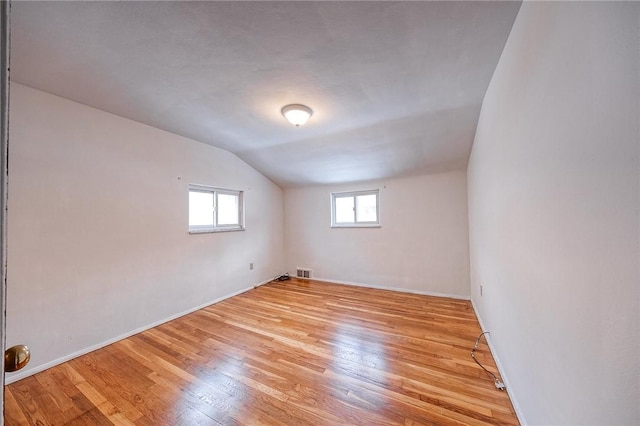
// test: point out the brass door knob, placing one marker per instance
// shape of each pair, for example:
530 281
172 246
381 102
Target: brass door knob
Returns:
16 357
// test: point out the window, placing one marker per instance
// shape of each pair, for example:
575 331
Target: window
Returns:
215 209
359 208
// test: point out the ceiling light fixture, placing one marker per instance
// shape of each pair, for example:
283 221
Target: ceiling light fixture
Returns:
297 114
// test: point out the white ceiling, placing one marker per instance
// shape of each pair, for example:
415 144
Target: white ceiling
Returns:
396 87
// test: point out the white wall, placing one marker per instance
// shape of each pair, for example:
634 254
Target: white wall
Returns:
422 245
554 210
98 242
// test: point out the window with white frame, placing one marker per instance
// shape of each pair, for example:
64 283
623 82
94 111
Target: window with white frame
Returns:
215 209
355 209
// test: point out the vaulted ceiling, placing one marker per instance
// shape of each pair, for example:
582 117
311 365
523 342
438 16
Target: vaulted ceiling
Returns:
396 87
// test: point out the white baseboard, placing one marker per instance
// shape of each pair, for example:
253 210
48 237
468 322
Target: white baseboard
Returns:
380 287
503 375
263 283
22 374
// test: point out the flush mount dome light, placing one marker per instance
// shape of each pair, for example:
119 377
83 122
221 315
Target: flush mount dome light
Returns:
297 114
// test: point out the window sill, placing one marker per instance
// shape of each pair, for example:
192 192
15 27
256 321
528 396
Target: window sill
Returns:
356 225
214 230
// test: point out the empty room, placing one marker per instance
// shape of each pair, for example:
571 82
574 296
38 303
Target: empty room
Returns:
320 213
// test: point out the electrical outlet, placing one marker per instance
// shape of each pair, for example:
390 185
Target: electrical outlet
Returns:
480 289
251 266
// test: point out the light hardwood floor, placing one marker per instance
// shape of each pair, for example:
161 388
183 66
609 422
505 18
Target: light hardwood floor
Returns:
288 353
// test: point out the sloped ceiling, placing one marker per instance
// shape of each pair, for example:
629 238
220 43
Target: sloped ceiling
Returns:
396 87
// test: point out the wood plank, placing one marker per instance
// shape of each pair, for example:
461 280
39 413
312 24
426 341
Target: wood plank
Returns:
293 352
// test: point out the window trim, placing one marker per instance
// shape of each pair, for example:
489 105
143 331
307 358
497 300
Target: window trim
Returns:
203 229
355 224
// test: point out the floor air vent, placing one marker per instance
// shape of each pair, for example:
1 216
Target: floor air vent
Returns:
303 273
